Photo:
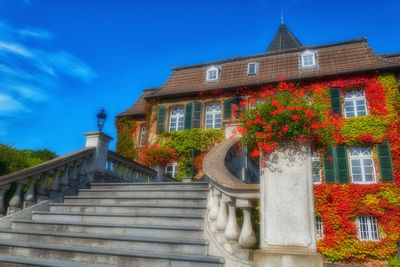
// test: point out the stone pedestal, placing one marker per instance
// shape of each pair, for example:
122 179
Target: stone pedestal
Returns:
287 209
160 172
100 141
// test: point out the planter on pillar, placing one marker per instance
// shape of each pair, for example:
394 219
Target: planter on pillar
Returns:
287 209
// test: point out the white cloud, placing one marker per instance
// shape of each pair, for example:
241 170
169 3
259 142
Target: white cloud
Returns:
29 72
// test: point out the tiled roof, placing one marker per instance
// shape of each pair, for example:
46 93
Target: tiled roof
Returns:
283 39
139 107
395 57
338 58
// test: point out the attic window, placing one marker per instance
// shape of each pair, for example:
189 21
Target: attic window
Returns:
212 74
252 68
308 59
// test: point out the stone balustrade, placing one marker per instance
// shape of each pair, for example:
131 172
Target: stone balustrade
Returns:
227 195
127 170
52 179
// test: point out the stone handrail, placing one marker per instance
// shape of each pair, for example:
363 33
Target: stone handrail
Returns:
227 193
128 170
64 172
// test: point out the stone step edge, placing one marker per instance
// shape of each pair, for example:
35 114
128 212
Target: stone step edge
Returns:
145 190
111 225
188 216
207 259
128 205
131 197
44 262
156 183
108 237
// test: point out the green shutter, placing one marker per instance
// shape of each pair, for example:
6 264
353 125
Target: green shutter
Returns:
161 119
196 117
336 102
385 162
329 165
188 115
342 165
227 109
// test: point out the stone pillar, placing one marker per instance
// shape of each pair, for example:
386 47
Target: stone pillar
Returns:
100 141
287 209
160 172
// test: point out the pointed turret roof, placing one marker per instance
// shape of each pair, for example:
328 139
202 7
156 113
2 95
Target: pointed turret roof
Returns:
283 39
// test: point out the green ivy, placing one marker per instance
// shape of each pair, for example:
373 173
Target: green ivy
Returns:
126 129
187 141
354 127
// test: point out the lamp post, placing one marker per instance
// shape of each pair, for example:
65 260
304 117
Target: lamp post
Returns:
101 118
237 101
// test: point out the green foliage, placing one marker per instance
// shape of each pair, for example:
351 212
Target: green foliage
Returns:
184 142
394 262
12 159
126 129
363 125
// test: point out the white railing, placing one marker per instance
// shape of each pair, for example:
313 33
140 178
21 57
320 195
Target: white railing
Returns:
227 194
53 179
127 170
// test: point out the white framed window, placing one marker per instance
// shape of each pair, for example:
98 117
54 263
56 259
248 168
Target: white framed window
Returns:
176 119
252 68
316 168
308 59
355 104
143 134
367 228
212 74
172 169
362 165
213 116
319 228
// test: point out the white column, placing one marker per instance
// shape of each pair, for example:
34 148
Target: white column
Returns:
232 228
222 218
215 205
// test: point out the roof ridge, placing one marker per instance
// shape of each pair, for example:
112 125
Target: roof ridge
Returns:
272 53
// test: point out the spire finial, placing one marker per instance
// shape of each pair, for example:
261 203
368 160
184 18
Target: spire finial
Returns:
282 16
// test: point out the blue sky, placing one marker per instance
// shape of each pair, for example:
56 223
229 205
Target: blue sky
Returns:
61 61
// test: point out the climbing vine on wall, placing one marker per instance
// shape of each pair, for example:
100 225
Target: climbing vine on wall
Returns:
188 143
126 131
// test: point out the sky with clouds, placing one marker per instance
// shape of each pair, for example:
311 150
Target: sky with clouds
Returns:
61 61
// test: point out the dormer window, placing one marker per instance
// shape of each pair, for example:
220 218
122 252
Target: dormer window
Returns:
252 68
212 74
308 59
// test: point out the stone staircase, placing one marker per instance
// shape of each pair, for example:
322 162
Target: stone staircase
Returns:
114 224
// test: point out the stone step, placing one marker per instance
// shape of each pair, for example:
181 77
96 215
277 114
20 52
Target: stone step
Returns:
156 231
121 243
145 192
174 185
176 201
121 218
19 261
104 256
126 208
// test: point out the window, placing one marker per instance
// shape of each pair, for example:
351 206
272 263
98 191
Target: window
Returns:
252 68
172 169
308 59
367 228
362 165
143 134
213 116
319 228
316 170
176 119
212 74
355 104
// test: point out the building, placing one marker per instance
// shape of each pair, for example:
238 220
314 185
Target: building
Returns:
357 190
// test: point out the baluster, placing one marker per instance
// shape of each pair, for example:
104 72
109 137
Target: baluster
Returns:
109 163
215 205
232 228
15 203
247 237
65 178
74 175
210 198
130 174
55 185
119 174
115 169
222 217
42 189
29 197
3 190
89 173
82 170
125 173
